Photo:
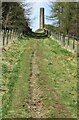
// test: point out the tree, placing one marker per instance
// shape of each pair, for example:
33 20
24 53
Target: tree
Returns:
14 16
65 16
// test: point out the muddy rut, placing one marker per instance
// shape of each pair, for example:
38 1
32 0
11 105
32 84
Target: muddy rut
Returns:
36 107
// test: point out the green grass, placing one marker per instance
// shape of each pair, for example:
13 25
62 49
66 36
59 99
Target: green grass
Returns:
57 78
16 71
58 71
70 46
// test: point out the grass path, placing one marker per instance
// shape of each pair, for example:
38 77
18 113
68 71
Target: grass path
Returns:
44 81
37 109
57 79
15 99
19 107
36 105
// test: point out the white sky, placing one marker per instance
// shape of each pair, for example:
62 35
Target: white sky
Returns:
36 10
38 0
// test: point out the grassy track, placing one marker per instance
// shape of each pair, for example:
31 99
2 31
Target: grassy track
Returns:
57 79
55 82
16 74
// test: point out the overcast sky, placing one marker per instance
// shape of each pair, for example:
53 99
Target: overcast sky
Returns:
36 4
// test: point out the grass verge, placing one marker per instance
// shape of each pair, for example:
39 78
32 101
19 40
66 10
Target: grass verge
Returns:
57 79
16 73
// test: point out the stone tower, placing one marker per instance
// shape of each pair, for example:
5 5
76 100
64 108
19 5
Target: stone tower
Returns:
41 18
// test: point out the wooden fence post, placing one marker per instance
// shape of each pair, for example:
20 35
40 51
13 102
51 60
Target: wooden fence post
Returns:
55 35
14 35
73 41
60 36
68 39
63 39
4 35
7 37
10 34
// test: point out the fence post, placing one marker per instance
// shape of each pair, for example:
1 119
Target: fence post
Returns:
7 37
63 39
60 36
57 36
4 35
10 34
68 39
15 34
73 41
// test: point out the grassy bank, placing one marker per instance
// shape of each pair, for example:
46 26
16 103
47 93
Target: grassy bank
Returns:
16 73
57 79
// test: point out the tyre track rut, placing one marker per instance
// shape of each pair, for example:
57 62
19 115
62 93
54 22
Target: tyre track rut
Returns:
36 107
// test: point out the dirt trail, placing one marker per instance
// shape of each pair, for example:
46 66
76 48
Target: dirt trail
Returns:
33 104
36 107
50 95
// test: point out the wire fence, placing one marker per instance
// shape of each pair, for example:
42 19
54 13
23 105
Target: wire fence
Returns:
7 37
69 41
